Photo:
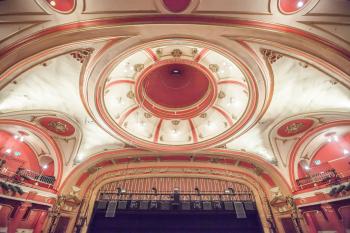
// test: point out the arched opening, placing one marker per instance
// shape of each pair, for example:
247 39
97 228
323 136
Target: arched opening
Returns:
175 204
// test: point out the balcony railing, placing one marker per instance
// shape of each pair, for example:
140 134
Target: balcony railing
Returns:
186 196
24 176
322 178
34 176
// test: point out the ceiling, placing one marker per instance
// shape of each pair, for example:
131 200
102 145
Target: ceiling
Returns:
266 78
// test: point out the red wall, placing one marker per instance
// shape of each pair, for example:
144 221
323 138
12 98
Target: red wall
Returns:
331 156
9 211
321 216
27 158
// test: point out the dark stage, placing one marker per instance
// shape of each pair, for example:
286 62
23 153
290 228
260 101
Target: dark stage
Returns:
174 221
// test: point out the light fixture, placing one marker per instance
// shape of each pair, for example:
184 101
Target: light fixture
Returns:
8 151
300 4
345 152
306 167
333 138
229 191
17 153
52 3
16 136
45 167
141 124
21 139
79 158
175 72
317 162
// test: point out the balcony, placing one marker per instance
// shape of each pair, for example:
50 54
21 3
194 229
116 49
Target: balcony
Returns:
322 179
27 177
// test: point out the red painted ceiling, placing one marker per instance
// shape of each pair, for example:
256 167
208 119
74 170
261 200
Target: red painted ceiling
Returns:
58 126
175 90
62 5
176 5
295 127
291 6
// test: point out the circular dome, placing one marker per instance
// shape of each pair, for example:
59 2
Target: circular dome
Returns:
175 85
175 89
175 95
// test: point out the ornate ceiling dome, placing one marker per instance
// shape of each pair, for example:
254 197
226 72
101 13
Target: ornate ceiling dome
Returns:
175 88
171 94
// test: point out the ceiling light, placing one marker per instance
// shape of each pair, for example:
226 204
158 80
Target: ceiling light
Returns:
335 138
21 139
79 158
141 123
307 167
52 3
345 152
17 153
8 151
300 4
16 136
175 72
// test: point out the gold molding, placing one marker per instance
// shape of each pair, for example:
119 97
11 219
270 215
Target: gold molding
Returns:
32 24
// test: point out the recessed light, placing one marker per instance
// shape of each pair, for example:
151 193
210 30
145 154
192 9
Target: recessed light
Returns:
300 4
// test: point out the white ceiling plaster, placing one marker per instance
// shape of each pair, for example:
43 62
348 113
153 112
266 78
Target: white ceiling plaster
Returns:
56 87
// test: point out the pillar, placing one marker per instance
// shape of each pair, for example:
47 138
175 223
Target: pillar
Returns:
40 223
333 218
20 212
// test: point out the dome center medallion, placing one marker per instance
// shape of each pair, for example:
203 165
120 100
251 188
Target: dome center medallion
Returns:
176 88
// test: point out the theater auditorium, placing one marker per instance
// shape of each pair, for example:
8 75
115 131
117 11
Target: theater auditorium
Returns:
174 116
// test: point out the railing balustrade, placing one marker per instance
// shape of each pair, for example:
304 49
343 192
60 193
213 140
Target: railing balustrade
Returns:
326 177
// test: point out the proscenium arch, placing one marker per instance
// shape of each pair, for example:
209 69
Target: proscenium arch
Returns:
215 153
259 191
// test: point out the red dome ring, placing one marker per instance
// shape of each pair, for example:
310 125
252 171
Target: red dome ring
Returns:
163 112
